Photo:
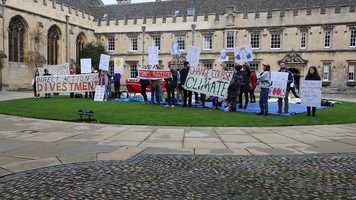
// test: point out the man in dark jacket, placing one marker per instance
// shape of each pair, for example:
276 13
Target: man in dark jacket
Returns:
187 95
244 85
289 82
171 85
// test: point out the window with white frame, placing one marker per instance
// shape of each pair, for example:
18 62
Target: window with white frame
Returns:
353 38
157 41
230 39
181 42
208 42
303 39
255 40
111 43
327 39
276 40
254 66
351 72
230 66
133 43
326 71
208 65
133 71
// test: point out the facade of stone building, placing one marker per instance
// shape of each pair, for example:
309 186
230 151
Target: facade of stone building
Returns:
302 33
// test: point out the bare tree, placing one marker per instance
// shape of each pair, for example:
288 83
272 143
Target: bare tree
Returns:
34 58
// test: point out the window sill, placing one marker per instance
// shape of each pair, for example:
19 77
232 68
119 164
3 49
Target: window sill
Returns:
326 83
351 83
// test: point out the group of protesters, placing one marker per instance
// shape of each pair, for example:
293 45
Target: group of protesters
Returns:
241 90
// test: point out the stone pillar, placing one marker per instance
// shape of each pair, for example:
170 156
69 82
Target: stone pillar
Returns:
143 45
67 39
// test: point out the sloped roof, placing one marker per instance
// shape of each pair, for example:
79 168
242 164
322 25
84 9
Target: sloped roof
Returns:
82 4
202 7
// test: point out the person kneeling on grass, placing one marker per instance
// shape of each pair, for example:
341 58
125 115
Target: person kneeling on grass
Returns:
265 83
312 75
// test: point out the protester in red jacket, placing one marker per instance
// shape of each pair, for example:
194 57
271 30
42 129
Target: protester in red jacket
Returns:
253 84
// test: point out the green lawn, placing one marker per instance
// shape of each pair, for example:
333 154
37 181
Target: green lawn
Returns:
64 108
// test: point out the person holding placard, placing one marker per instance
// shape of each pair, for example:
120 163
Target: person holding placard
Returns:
35 75
72 72
264 80
312 75
117 85
187 95
46 73
283 68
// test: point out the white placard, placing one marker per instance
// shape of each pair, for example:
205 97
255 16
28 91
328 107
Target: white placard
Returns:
56 70
223 56
104 62
175 49
193 56
99 93
279 84
211 82
153 56
85 66
243 54
119 67
311 93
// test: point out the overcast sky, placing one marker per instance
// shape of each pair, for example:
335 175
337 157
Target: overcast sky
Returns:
114 1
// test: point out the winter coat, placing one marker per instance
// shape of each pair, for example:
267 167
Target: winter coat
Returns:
183 75
234 87
313 77
172 82
253 80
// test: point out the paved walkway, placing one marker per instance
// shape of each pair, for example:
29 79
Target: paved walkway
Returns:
30 143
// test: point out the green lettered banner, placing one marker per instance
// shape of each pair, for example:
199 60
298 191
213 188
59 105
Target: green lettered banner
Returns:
209 81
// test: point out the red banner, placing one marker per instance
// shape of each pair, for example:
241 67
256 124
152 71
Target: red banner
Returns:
153 74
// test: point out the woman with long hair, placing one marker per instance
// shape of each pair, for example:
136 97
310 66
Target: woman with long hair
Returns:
312 75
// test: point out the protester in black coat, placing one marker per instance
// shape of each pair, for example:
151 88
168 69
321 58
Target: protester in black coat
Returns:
47 74
233 91
171 85
187 95
312 75
245 74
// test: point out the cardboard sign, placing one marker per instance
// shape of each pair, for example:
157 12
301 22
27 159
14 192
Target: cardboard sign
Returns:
175 49
193 56
67 84
223 56
279 84
85 66
104 62
210 82
153 56
154 74
243 54
99 93
56 70
119 67
311 93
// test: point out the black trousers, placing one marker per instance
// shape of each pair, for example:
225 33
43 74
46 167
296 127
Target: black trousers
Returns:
117 85
144 91
244 89
34 90
311 111
252 96
187 96
170 95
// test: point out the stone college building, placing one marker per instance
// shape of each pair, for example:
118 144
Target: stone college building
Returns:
302 33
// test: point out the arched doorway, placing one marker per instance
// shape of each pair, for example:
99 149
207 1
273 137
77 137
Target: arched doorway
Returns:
80 43
17 39
54 36
296 64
